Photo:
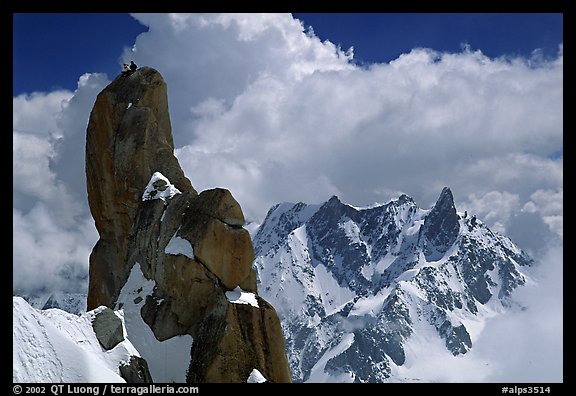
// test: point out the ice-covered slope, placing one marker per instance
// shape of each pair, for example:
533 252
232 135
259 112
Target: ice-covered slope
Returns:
359 289
56 346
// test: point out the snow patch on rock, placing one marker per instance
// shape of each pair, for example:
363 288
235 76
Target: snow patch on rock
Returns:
159 187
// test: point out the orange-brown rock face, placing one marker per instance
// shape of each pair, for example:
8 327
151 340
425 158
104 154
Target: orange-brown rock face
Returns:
192 246
128 138
214 227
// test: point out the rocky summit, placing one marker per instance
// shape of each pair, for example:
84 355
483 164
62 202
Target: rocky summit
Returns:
178 263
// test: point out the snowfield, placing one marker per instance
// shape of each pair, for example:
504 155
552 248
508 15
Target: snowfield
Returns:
57 346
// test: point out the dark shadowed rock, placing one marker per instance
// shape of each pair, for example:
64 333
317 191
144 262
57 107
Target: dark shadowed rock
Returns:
257 328
136 371
441 226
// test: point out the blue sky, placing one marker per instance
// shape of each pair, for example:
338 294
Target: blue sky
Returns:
71 44
67 46
274 112
379 37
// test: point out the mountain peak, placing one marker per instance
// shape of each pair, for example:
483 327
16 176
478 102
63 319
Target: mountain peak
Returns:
334 200
354 286
446 198
402 199
441 226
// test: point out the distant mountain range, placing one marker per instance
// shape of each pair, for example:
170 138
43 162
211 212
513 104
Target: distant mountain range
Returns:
355 287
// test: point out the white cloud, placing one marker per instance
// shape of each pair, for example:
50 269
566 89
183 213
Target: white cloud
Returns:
531 224
34 182
31 174
367 130
267 110
492 207
69 163
219 55
550 204
47 255
35 113
53 232
527 345
48 146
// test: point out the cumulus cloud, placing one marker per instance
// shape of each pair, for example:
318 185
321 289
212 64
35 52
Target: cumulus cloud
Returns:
35 129
401 127
34 182
47 256
494 208
217 56
533 224
53 232
70 147
264 108
550 204
35 113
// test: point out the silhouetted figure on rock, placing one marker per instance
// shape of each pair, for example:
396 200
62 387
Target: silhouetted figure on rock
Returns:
128 69
125 70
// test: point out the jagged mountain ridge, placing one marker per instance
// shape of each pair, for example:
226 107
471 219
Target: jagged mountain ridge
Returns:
353 285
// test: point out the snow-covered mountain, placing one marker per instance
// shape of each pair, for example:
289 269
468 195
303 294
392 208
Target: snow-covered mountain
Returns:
360 289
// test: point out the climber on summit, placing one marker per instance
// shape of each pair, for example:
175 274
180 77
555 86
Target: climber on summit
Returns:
133 66
125 69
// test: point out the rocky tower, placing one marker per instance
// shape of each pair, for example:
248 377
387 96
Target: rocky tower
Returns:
441 226
193 247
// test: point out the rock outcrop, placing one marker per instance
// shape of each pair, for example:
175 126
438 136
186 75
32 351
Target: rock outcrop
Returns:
129 137
136 371
192 246
108 328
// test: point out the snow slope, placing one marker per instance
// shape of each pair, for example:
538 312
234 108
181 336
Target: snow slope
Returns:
57 346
